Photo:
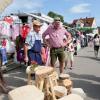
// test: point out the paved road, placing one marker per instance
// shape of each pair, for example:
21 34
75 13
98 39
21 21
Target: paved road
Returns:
85 74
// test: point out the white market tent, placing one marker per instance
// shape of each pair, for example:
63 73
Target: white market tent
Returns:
44 18
90 34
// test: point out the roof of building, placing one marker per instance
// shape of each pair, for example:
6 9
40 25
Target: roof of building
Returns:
87 21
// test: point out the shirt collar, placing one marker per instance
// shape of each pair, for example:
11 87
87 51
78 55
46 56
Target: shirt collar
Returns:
58 27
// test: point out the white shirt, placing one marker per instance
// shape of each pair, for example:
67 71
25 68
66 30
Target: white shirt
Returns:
31 37
97 41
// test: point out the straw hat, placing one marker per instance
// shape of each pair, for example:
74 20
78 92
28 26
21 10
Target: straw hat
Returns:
37 23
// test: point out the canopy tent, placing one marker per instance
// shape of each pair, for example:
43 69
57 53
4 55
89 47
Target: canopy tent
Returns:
73 31
4 4
85 28
90 34
40 18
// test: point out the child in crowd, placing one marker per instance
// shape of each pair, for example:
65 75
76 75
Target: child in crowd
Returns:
3 51
3 42
69 51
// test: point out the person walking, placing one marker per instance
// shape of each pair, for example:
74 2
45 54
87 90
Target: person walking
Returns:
96 45
56 34
33 46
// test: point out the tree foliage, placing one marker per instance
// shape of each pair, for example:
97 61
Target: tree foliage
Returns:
53 14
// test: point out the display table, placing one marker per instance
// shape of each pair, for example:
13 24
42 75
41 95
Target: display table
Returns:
28 92
67 83
41 73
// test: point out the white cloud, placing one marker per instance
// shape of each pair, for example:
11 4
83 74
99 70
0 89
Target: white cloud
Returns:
32 4
74 1
24 5
80 8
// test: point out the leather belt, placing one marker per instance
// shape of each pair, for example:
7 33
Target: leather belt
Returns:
57 47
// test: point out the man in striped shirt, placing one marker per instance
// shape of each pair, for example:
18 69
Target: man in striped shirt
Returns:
56 34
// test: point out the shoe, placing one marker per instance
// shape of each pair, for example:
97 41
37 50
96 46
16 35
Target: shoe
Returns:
65 67
70 68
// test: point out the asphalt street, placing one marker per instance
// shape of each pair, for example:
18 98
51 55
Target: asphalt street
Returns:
85 74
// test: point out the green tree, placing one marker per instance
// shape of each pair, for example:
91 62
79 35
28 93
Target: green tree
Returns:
53 14
66 24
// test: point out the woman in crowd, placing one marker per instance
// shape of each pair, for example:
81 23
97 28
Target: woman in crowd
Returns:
96 44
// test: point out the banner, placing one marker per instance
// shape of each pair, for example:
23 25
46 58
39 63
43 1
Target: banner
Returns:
4 4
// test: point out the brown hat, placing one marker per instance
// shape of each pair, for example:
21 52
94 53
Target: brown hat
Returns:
37 23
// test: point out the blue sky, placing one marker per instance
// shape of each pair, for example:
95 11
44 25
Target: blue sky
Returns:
70 9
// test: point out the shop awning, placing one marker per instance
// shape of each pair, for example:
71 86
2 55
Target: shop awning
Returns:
86 28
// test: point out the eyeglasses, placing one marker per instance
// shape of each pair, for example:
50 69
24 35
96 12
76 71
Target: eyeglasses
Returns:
57 20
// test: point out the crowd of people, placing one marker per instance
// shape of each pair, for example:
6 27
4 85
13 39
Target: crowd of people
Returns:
33 49
36 44
55 42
